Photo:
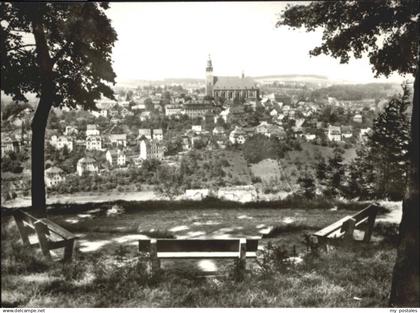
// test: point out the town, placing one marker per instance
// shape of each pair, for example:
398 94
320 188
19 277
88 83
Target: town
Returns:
224 121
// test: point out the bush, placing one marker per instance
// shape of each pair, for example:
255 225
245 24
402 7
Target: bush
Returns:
273 259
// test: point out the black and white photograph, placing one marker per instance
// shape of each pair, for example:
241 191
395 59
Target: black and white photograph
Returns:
233 154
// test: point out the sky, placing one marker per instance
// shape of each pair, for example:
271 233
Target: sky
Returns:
173 40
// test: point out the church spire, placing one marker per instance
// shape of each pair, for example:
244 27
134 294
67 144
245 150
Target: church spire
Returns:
209 67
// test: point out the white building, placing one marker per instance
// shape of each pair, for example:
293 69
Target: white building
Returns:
116 157
157 134
103 113
364 132
310 137
118 140
151 149
53 176
61 141
334 133
346 132
86 165
237 136
93 143
92 130
71 130
196 128
358 118
173 109
145 132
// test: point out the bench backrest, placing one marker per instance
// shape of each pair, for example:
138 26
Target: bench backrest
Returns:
359 218
198 245
47 224
366 212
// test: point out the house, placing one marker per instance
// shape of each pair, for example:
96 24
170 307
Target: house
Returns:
237 135
139 106
224 115
157 134
358 118
334 133
196 128
9 144
94 142
126 112
71 130
118 140
116 157
62 141
194 110
151 149
92 130
145 115
218 130
102 113
147 133
310 137
346 132
54 176
263 128
173 109
276 131
186 143
86 165
274 113
364 133
105 104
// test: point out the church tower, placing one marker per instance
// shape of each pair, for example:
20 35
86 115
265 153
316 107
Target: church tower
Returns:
209 78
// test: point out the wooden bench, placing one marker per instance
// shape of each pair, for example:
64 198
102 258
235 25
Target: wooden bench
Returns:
239 248
50 235
344 228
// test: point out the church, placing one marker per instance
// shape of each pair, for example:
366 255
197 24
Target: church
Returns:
230 87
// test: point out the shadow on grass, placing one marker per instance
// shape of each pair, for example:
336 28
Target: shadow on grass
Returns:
207 203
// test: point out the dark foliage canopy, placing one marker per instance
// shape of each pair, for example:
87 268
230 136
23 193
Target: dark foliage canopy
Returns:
385 30
79 39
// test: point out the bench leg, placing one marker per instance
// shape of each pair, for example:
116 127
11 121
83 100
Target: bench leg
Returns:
153 256
41 232
22 230
348 228
242 255
370 224
68 250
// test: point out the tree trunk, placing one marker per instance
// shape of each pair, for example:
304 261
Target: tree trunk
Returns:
39 122
405 280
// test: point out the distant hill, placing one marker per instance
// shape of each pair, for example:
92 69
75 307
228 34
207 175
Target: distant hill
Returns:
132 83
292 77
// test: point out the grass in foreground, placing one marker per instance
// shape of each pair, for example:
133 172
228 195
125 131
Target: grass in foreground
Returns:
349 276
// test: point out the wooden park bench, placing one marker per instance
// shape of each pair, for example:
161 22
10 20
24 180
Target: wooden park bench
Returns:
344 228
50 235
239 249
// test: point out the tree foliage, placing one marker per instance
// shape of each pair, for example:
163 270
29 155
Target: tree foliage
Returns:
68 63
381 166
79 38
387 31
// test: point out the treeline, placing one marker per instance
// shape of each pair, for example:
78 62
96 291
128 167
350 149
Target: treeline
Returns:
380 169
355 92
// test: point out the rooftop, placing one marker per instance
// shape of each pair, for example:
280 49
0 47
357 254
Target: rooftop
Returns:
232 82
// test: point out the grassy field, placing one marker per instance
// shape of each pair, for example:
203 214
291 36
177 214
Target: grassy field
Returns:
107 271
